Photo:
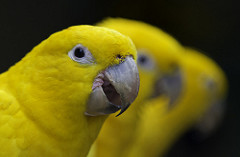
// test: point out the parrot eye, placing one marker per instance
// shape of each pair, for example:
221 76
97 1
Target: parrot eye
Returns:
81 55
142 59
145 61
210 84
79 52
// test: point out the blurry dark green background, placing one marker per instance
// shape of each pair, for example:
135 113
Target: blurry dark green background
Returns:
209 25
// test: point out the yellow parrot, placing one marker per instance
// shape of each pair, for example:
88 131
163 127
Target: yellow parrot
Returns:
54 101
159 76
201 104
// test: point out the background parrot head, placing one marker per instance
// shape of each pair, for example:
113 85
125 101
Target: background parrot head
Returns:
204 77
158 55
79 71
201 105
208 79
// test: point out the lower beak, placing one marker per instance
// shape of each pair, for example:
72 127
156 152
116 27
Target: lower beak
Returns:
117 88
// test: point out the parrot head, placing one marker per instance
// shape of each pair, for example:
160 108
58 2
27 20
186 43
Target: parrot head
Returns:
158 55
211 83
92 59
77 73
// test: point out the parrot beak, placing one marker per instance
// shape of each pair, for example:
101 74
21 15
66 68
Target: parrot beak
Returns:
113 89
209 122
170 85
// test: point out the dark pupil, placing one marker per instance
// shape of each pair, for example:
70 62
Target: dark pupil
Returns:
142 59
79 52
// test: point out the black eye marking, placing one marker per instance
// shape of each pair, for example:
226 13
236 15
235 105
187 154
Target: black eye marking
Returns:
119 56
142 59
79 52
210 83
145 61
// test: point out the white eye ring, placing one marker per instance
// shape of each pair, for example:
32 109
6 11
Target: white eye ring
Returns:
81 55
145 61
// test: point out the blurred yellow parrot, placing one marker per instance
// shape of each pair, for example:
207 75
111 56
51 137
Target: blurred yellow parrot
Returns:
201 104
159 77
54 101
170 86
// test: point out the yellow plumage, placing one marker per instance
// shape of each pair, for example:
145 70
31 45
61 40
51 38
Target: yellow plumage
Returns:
44 96
117 133
155 125
205 85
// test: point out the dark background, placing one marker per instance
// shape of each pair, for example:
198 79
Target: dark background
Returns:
209 25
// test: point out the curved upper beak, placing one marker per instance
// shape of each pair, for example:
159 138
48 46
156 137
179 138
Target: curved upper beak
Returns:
113 89
170 85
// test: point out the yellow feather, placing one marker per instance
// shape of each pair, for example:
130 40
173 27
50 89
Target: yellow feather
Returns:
43 97
164 52
154 127
157 132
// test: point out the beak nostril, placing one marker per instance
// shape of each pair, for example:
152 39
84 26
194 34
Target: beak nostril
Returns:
119 56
